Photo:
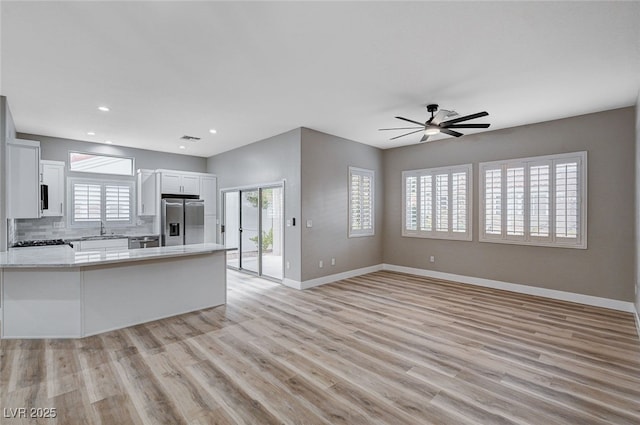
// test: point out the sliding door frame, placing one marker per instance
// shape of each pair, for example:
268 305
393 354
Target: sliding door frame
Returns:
247 188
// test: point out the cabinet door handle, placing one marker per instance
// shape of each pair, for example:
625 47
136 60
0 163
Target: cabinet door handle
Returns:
60 207
142 208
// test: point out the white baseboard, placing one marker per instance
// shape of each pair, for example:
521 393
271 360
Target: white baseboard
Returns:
523 289
487 283
331 278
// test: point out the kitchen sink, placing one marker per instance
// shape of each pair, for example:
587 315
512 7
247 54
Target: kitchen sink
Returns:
102 237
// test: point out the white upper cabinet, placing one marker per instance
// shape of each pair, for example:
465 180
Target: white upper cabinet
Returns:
53 177
23 179
146 189
190 185
171 182
177 183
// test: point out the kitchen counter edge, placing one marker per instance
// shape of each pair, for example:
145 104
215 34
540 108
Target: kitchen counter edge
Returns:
66 257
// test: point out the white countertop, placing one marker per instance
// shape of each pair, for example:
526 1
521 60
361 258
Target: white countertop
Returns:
65 256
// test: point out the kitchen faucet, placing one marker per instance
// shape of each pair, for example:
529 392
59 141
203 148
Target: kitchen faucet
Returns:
103 231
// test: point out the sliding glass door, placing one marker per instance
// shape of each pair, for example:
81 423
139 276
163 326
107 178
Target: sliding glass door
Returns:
272 232
250 230
253 223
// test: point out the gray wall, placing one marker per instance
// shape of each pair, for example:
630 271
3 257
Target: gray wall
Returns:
274 159
325 166
605 269
57 149
637 209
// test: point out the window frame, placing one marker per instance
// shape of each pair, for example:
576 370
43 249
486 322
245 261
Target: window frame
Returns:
130 173
435 234
357 233
103 183
552 240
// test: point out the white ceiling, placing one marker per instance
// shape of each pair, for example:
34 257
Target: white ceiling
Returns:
254 70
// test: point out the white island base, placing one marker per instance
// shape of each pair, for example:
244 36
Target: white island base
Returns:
74 302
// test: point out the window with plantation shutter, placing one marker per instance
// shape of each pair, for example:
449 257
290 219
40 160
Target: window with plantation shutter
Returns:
94 201
437 203
361 202
545 201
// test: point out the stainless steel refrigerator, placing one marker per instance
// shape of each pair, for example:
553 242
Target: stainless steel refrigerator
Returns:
182 221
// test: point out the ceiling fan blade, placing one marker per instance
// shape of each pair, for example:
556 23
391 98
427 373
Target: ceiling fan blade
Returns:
466 118
399 128
413 132
442 114
466 126
411 121
424 138
450 132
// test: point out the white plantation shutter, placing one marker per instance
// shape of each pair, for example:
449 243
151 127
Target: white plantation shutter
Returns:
117 203
361 202
493 202
95 200
442 202
436 203
566 200
539 201
411 203
87 202
545 201
426 203
515 201
459 202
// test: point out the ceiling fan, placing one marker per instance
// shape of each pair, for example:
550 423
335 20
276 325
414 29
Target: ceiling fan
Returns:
436 123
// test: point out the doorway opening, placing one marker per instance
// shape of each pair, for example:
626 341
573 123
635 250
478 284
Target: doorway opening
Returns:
253 222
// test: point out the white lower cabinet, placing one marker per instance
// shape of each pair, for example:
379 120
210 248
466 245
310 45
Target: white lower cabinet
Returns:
103 245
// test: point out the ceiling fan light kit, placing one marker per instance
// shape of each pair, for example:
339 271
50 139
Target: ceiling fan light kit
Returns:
436 124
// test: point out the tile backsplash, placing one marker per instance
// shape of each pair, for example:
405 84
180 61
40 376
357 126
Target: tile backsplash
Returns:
57 228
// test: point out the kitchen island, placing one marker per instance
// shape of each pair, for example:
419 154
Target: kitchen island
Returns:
55 292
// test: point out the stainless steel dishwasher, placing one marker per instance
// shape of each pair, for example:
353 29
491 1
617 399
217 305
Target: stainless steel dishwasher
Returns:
136 242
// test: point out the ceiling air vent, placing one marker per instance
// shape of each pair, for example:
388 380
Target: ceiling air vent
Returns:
190 138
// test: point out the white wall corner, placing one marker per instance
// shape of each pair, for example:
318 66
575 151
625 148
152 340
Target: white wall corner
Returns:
295 284
519 288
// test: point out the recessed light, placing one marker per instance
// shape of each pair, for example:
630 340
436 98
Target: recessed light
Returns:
103 108
213 131
182 147
108 142
91 133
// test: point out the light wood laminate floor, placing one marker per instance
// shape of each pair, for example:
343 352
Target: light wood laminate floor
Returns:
380 348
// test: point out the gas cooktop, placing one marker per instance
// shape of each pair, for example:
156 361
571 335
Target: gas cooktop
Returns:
41 242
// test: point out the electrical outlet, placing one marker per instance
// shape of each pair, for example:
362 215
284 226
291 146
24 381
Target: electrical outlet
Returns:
309 223
321 264
288 265
432 259
288 223
333 261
